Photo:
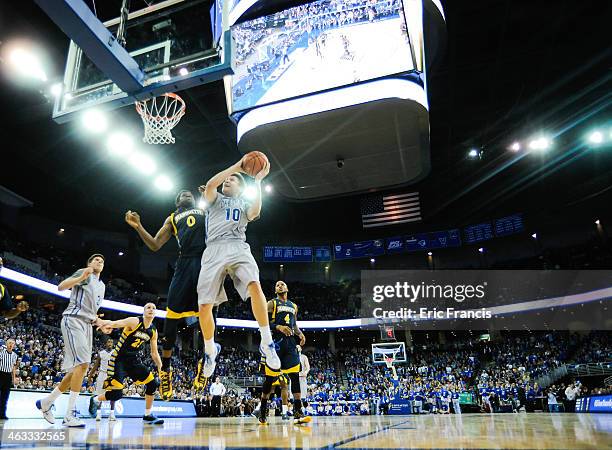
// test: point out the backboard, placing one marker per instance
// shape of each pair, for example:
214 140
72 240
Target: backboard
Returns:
177 44
395 349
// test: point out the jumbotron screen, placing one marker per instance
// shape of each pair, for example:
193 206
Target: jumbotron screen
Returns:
318 46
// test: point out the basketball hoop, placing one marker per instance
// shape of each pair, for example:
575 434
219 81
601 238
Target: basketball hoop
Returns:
159 116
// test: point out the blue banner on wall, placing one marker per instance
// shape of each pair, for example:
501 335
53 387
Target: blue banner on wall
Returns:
351 250
478 233
274 253
322 253
509 225
428 241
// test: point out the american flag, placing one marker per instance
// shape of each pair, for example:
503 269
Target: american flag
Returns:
379 210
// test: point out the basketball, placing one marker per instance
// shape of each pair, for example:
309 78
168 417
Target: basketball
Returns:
254 162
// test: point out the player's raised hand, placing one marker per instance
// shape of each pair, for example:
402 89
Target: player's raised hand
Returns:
263 172
133 219
238 165
86 272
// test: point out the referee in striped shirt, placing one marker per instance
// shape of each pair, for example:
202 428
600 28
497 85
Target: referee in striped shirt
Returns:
8 365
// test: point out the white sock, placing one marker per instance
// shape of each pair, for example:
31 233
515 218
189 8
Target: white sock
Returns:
209 346
147 412
52 396
266 335
285 409
71 402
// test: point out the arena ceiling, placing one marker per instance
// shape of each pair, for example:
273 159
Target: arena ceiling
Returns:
512 69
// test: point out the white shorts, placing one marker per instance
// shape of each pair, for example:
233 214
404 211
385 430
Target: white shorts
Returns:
100 383
224 258
78 342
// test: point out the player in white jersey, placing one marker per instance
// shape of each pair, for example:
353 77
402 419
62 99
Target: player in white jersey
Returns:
101 365
304 369
227 253
77 320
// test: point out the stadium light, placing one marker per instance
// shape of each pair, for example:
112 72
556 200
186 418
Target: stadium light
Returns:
473 153
429 253
94 121
56 89
597 222
183 71
27 63
143 163
163 183
372 260
250 192
119 144
481 250
515 147
596 137
268 188
540 143
120 253
534 235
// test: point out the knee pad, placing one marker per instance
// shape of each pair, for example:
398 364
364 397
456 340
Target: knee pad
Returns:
170 333
295 382
114 395
267 385
151 386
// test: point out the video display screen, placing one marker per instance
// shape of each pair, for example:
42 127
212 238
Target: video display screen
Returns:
318 46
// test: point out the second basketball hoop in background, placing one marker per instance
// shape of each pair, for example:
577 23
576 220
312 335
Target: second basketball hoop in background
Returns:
159 116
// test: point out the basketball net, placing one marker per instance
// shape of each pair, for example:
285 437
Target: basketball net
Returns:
159 116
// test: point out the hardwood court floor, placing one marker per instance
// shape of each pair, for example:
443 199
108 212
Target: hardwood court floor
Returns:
469 431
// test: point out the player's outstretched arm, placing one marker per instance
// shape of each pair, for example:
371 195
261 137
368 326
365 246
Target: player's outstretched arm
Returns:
154 243
255 209
129 323
210 192
79 276
22 306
